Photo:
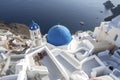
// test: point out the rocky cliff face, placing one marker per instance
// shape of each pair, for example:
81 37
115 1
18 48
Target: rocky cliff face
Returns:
3 25
16 28
20 29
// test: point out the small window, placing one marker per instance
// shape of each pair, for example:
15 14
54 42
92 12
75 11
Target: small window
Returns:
36 37
115 37
35 33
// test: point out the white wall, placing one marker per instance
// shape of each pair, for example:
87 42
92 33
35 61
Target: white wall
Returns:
103 35
36 38
10 77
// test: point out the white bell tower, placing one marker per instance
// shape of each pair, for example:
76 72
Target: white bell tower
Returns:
35 34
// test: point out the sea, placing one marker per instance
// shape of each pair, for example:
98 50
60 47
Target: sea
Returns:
48 13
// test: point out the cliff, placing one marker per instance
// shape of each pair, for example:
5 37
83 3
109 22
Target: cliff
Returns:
16 28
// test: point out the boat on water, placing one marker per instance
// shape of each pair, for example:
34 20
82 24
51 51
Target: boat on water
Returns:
58 55
82 23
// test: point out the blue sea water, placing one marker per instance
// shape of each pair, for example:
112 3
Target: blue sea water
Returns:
48 13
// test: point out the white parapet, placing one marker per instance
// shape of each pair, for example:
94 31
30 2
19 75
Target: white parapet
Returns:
32 67
93 66
40 69
115 74
59 66
22 75
9 77
21 66
71 60
79 75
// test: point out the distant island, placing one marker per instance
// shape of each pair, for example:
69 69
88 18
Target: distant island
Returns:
16 28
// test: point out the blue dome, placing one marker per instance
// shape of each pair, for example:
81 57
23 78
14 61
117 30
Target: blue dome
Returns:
33 26
59 35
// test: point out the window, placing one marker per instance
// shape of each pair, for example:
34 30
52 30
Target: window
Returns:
35 33
116 36
36 37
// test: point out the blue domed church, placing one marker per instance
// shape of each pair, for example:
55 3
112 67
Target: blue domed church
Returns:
59 35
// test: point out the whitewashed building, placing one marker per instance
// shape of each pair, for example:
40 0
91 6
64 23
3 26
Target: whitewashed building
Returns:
109 31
